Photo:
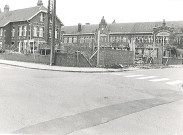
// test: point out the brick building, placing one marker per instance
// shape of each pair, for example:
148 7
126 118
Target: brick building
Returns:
26 30
146 39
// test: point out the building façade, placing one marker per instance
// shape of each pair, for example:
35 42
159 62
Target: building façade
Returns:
26 30
146 39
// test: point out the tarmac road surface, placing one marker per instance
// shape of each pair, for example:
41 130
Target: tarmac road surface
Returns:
134 102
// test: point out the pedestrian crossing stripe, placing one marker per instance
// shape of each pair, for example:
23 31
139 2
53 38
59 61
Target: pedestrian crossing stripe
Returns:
134 76
147 77
175 82
10 67
159 80
6 67
143 77
117 73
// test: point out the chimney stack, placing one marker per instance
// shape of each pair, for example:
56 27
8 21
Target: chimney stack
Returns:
6 8
79 27
0 10
39 3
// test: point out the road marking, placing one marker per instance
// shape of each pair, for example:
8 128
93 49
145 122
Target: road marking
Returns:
11 67
6 67
134 75
159 80
117 73
147 77
175 82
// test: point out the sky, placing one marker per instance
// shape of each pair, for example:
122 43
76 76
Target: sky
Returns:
72 12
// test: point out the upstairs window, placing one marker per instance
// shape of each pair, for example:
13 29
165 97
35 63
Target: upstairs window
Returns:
13 32
24 31
75 40
42 17
1 32
65 40
56 33
35 31
41 31
20 31
70 39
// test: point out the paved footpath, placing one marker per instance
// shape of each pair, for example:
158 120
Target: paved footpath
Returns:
59 68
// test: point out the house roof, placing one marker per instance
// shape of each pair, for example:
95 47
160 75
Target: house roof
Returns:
124 28
20 15
86 29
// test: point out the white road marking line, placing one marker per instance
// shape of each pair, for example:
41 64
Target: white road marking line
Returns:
134 75
147 77
6 67
159 80
175 82
117 73
9 67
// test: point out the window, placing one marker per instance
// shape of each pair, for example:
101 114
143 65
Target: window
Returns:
50 33
75 40
1 32
56 33
20 31
82 40
13 32
124 39
41 31
42 17
35 31
1 45
65 40
24 31
111 39
70 39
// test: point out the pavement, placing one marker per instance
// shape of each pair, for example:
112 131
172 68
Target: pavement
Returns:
63 69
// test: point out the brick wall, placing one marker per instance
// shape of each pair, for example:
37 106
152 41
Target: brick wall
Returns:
110 57
173 61
61 59
71 60
25 58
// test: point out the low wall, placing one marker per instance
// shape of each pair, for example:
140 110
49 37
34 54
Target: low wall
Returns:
71 60
61 59
25 58
173 61
110 57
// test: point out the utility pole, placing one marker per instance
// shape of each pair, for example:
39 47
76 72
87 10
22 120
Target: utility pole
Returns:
98 48
48 23
52 55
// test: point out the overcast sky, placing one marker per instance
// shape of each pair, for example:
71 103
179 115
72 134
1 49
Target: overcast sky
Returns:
72 12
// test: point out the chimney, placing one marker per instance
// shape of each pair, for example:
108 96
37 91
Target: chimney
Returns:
39 3
114 22
79 27
6 8
0 11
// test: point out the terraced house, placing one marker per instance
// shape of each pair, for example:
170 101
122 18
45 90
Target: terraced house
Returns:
146 39
26 30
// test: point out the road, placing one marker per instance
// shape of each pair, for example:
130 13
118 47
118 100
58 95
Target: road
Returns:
47 102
